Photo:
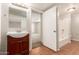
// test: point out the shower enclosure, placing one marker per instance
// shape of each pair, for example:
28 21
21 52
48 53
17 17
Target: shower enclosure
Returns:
36 29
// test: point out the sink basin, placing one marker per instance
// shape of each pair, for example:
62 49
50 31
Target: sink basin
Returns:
17 34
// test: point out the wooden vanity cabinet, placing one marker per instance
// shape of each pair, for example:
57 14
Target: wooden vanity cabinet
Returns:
18 46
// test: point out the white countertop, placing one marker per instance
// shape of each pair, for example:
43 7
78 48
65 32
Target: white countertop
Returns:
17 34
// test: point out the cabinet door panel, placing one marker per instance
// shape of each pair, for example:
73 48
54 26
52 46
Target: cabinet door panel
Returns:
18 46
13 47
25 45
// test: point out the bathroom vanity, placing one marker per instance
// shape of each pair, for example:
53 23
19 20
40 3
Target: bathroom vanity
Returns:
17 44
17 36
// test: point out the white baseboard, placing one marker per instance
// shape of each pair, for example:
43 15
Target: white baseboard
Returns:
64 42
75 39
3 53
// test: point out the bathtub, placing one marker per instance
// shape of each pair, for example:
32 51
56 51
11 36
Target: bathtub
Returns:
35 38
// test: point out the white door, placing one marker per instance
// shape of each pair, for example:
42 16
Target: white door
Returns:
49 29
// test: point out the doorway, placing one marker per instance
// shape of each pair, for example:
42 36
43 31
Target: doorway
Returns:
36 29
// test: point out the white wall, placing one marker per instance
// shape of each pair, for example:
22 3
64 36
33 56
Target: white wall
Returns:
75 27
29 22
4 26
64 29
0 26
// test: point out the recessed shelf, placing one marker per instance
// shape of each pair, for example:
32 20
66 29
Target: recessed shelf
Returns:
36 21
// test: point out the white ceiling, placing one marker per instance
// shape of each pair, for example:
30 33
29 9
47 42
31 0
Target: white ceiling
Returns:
63 8
39 6
42 6
45 6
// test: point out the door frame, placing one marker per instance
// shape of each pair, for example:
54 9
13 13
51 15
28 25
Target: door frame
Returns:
57 29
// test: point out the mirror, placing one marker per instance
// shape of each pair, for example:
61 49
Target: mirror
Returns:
17 19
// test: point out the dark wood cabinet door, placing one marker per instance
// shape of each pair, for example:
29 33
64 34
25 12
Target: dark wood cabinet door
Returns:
25 47
13 47
18 46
